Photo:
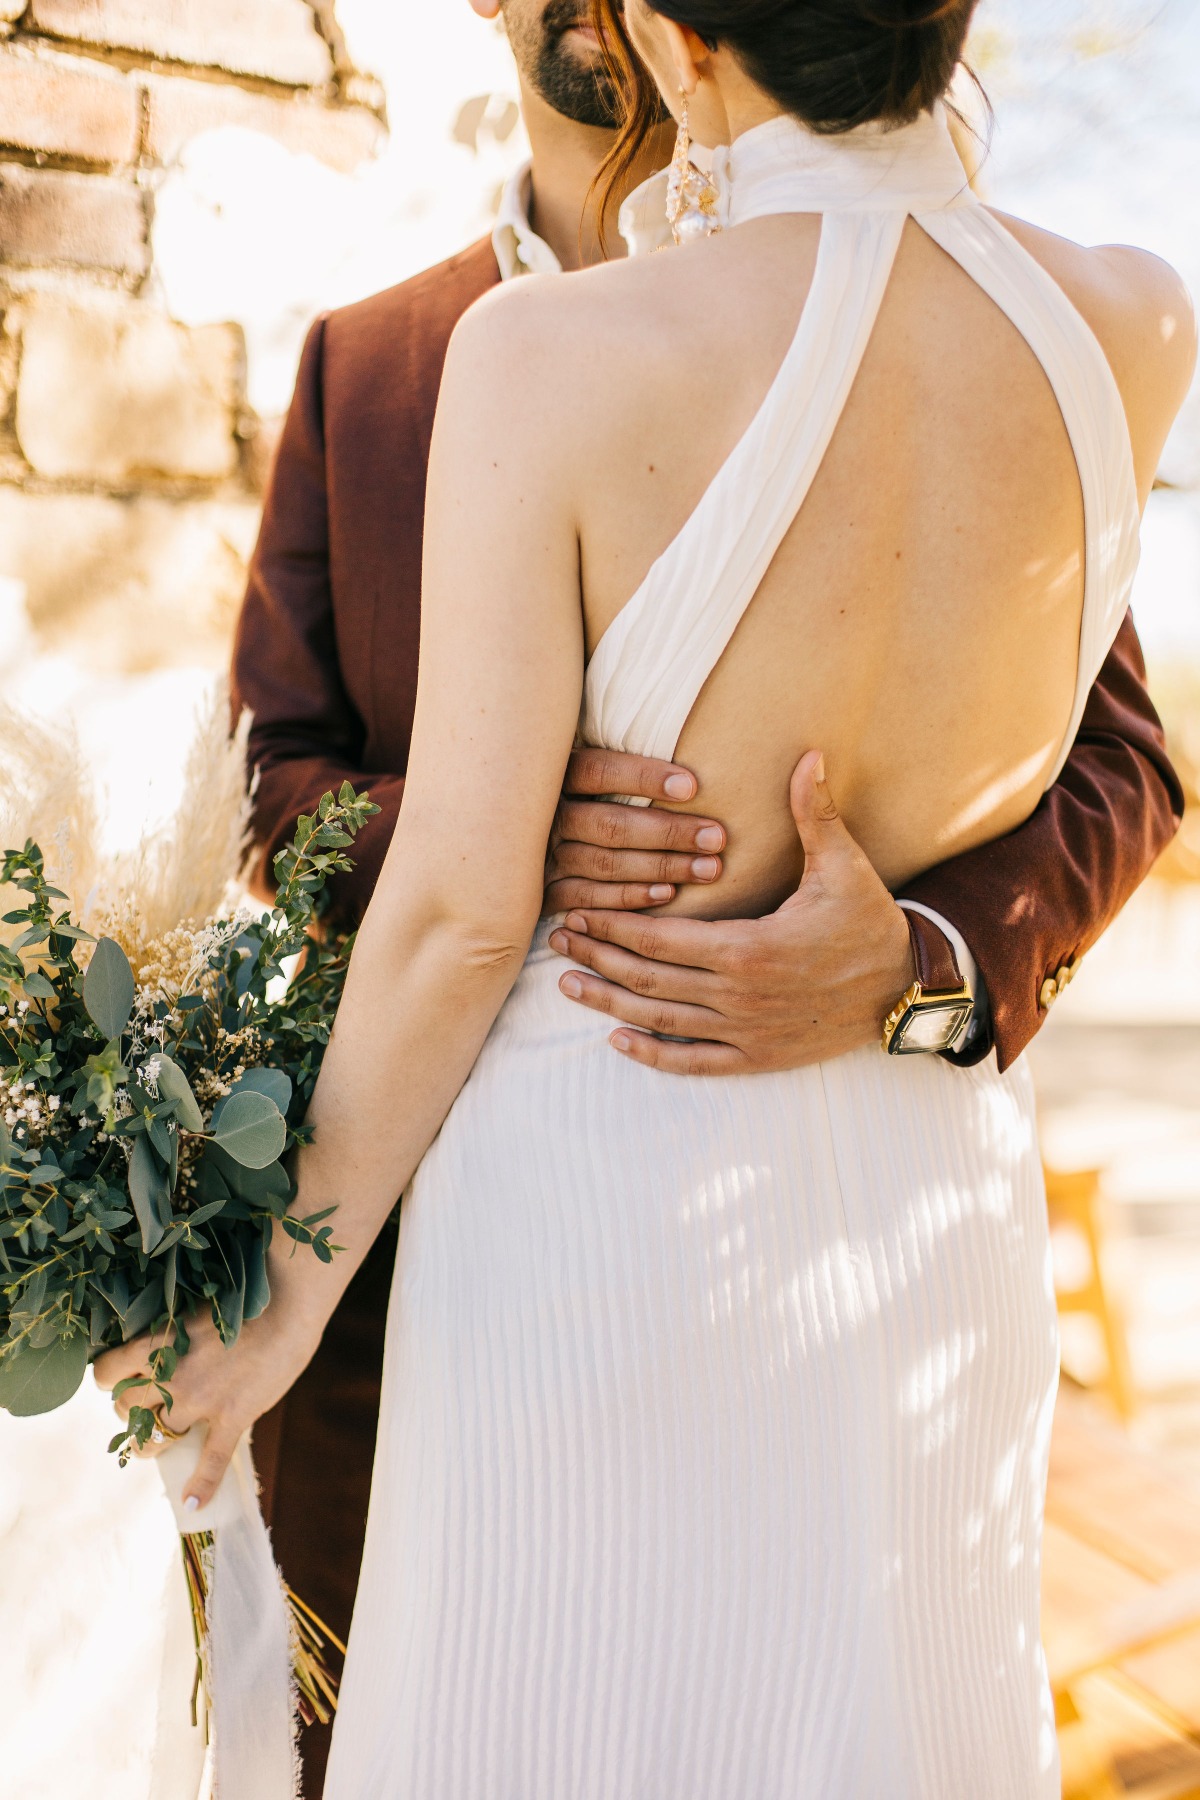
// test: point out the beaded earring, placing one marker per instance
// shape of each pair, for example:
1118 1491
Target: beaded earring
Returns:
691 195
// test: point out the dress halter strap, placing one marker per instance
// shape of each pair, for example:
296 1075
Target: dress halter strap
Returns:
649 667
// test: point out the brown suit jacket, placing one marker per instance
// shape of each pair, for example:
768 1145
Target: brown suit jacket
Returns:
326 659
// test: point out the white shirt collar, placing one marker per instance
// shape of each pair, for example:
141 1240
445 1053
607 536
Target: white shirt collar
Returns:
520 251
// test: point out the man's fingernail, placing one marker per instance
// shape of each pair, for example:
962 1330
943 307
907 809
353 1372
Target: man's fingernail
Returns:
819 771
660 891
577 922
709 837
705 868
192 1503
572 986
620 1041
679 787
558 941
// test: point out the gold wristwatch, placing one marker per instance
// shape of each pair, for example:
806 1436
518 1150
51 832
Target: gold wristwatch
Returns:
934 1013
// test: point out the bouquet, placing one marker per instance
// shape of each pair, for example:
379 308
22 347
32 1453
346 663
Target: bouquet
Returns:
150 1092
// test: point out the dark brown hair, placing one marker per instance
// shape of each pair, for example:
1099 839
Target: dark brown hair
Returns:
832 64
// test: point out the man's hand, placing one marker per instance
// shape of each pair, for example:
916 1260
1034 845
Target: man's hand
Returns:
605 854
808 982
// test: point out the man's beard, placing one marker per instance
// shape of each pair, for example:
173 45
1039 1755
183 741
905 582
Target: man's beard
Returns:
582 91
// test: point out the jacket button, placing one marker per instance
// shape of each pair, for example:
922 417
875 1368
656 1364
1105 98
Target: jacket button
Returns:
1048 994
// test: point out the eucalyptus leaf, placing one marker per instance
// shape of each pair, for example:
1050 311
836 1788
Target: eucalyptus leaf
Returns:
34 1291
174 1085
244 945
258 1187
37 1381
211 1183
258 1287
230 1301
251 1129
143 1310
276 1084
160 1137
149 1192
37 985
108 988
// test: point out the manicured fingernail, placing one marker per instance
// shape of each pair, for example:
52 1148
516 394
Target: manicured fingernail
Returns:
679 787
705 868
660 891
192 1503
577 922
559 942
571 985
709 837
620 1041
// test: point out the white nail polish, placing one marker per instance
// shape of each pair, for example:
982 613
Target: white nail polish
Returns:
192 1503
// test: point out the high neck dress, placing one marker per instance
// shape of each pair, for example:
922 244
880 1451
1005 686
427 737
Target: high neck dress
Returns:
716 1411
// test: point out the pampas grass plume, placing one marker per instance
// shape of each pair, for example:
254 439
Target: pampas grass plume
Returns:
186 872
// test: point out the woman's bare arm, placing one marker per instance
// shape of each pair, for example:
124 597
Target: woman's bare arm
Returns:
447 930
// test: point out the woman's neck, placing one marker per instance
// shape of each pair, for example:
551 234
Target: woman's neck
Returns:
727 103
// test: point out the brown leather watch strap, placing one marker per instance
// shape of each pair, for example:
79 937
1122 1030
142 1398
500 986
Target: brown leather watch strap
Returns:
933 953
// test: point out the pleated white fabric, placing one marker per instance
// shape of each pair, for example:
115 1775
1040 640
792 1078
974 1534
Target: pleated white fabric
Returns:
716 1412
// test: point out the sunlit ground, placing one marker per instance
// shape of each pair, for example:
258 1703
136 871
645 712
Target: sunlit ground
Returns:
1099 136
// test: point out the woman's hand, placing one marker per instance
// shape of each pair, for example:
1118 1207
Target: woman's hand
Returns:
223 1387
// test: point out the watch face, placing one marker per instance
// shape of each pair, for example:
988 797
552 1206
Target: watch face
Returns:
932 1028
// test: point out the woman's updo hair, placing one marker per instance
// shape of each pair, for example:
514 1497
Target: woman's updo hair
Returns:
832 64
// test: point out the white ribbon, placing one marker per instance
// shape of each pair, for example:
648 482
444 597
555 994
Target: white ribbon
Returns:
249 1656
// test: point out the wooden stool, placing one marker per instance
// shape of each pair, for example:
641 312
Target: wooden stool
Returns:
1073 1199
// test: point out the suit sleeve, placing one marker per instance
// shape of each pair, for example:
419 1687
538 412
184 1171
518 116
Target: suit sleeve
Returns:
305 737
1035 900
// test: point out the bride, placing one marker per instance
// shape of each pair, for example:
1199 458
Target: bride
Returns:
715 1413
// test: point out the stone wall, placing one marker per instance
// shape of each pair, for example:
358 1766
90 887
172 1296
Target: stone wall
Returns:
130 459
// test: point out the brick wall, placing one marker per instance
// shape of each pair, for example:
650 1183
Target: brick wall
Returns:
129 457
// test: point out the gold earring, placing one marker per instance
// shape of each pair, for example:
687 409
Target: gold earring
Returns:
691 194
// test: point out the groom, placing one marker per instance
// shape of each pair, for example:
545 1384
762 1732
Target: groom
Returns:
326 659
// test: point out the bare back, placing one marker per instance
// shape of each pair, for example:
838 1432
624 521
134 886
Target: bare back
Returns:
860 473
920 621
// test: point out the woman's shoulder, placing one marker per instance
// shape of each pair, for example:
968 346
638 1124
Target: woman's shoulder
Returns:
624 333
556 319
1140 310
566 358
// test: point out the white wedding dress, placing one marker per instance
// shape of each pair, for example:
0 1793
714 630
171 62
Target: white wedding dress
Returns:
716 1412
